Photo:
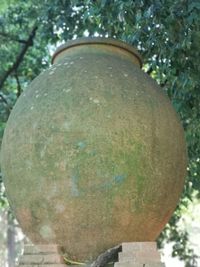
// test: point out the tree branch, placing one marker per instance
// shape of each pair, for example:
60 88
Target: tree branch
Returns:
19 89
20 57
4 100
13 38
109 255
163 83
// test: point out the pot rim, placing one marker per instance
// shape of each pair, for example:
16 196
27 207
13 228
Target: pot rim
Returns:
98 40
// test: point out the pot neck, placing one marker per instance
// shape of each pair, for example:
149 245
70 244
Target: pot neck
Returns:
97 45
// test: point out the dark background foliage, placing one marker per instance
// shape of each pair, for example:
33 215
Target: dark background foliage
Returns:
166 33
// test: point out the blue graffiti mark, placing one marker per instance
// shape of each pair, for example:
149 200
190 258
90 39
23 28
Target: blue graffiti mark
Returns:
74 185
76 191
119 178
81 145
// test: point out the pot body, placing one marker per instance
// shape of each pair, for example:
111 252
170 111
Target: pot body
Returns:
93 153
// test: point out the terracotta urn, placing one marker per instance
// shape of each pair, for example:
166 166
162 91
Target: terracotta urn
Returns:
93 152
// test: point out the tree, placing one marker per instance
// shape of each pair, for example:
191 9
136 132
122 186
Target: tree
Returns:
167 34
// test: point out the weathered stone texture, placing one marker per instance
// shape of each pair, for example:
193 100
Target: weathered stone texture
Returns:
42 256
42 249
139 254
93 152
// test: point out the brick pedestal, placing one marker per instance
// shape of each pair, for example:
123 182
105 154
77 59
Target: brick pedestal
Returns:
139 254
42 256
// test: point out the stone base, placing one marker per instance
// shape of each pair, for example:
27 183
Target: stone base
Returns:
42 256
139 254
135 254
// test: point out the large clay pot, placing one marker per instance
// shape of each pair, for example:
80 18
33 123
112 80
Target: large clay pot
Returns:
93 153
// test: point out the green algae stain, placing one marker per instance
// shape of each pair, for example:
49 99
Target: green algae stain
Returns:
133 166
116 173
93 152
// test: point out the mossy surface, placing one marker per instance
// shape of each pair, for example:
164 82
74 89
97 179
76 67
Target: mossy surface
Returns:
93 155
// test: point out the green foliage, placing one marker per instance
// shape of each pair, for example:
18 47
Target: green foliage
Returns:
167 34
